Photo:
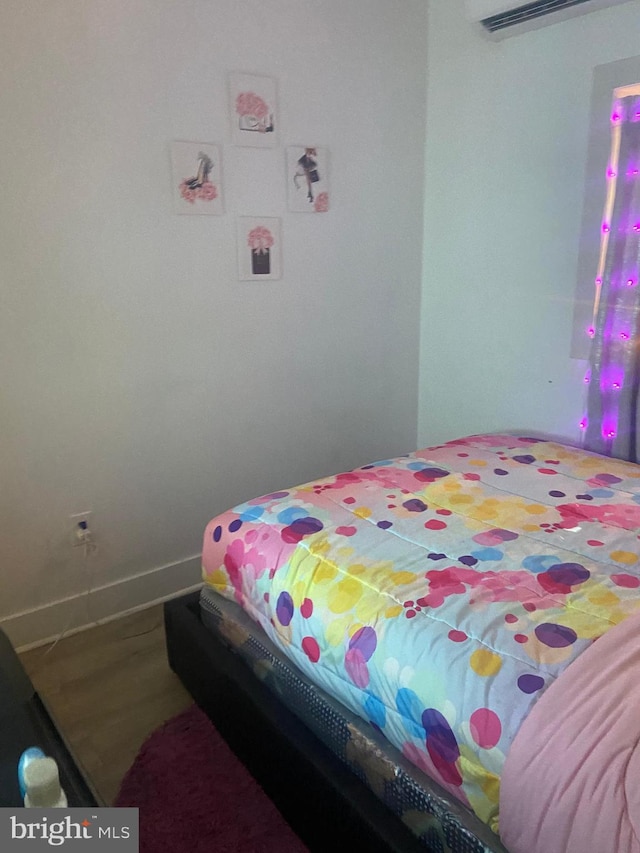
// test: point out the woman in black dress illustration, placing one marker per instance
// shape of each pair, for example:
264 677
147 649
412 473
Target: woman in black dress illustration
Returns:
307 169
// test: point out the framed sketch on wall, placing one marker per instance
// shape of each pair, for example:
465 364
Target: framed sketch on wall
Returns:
259 248
253 109
196 174
308 178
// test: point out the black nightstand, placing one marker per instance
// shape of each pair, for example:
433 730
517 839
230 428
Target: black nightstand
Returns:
24 722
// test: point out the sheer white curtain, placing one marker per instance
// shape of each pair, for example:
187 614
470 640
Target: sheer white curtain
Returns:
611 422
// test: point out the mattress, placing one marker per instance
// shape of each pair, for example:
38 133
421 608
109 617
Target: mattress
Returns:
435 818
439 595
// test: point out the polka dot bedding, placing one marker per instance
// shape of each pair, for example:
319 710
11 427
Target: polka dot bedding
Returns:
436 819
440 594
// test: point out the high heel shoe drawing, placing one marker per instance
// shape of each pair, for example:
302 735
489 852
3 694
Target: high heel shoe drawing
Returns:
205 165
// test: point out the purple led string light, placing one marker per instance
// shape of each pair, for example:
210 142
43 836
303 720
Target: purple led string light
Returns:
612 374
611 377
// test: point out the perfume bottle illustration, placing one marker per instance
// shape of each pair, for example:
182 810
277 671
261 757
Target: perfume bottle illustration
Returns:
260 241
253 113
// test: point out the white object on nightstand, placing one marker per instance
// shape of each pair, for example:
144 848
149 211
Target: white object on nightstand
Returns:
42 782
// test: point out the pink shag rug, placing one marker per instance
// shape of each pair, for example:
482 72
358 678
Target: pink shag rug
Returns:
195 796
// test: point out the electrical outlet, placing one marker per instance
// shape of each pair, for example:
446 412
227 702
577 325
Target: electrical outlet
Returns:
80 529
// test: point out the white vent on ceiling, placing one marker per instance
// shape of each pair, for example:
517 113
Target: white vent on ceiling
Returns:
501 18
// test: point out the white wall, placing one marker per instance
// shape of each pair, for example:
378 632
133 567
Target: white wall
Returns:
140 379
507 138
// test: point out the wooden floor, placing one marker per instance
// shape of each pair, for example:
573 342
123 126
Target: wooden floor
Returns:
108 688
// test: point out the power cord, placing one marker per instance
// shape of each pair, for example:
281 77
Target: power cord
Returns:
89 547
143 633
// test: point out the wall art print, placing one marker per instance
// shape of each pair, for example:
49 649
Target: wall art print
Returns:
259 248
252 100
196 174
308 178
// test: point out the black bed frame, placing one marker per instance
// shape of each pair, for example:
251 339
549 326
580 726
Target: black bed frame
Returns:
322 800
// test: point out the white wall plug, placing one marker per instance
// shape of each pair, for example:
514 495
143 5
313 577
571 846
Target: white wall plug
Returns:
82 533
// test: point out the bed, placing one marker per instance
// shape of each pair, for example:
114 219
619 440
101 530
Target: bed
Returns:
429 621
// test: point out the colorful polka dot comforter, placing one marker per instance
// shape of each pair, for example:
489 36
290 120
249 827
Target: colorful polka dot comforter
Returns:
440 594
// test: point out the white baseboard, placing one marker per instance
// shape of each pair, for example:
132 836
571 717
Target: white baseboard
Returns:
32 628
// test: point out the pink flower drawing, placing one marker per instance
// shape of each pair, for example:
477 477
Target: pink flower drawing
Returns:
260 239
250 104
206 192
321 203
254 113
187 193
